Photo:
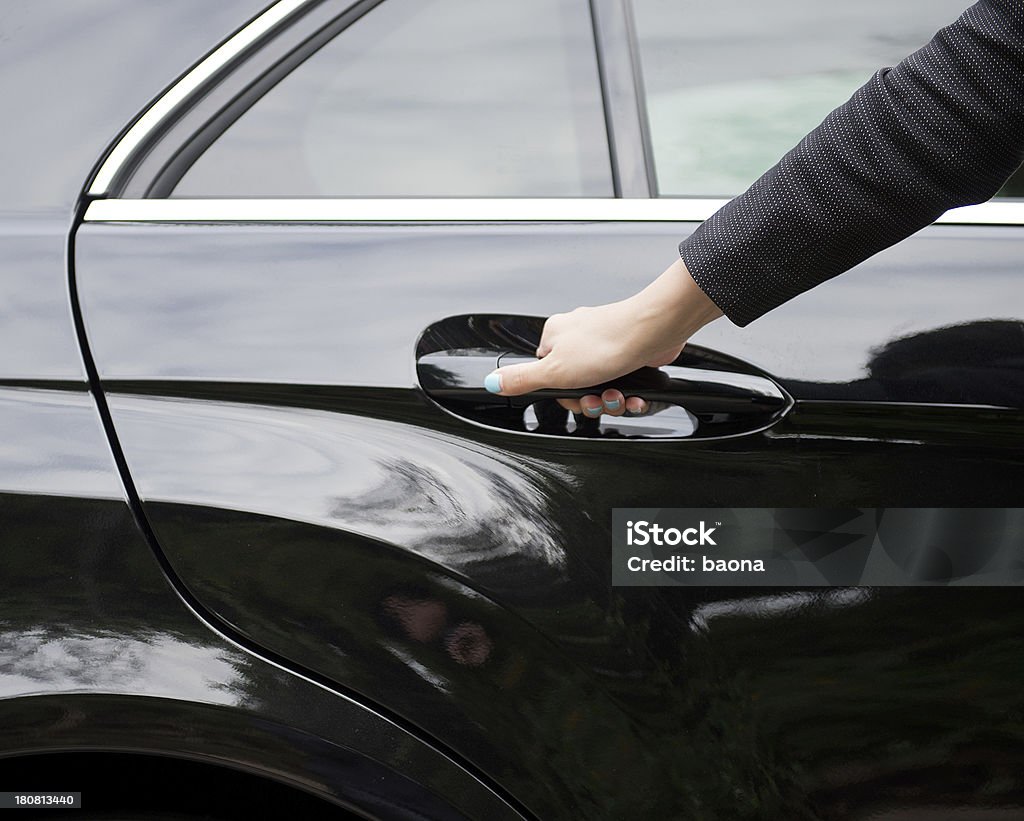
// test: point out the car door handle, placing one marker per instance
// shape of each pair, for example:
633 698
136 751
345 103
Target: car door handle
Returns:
459 375
720 400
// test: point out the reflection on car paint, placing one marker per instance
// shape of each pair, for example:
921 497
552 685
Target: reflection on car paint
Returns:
48 659
97 650
456 502
689 657
54 444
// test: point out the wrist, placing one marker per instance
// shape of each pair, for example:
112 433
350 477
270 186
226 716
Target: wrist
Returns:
673 307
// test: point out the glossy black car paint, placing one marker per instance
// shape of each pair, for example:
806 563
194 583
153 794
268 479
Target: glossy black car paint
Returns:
261 381
98 651
315 507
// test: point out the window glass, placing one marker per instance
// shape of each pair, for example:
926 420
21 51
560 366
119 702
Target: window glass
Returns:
427 98
731 86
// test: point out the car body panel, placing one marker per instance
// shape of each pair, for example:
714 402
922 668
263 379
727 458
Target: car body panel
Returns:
281 303
261 379
358 592
54 133
278 748
37 335
100 652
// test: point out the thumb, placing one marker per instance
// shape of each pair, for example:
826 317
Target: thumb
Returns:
514 380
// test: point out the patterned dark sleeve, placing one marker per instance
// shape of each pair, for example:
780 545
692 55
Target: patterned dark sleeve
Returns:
943 128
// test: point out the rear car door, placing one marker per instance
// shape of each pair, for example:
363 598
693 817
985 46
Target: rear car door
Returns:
271 256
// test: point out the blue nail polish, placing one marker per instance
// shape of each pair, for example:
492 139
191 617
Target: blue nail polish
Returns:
493 382
593 411
613 405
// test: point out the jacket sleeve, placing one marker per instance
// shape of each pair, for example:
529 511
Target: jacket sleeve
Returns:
942 129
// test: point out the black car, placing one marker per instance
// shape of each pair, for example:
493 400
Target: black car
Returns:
270 549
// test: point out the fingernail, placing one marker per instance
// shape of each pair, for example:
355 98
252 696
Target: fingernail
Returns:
613 405
493 382
593 411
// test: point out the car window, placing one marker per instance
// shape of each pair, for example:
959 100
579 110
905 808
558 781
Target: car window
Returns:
730 87
427 98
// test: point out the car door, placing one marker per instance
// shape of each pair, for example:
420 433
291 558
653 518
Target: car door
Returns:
351 200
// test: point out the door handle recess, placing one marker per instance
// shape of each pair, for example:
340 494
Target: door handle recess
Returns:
726 397
459 375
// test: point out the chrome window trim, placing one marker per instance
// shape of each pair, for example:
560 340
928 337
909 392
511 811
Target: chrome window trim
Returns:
370 210
623 100
159 111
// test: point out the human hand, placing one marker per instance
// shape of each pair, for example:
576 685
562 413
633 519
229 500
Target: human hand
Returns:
592 345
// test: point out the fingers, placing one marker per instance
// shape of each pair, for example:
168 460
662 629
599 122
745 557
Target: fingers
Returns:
636 406
611 403
547 335
571 405
514 380
589 406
